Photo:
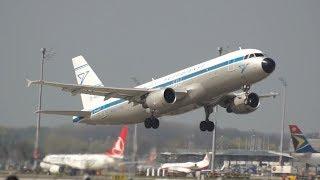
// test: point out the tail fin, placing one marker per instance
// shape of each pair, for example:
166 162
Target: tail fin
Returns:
152 156
300 143
206 157
117 149
86 76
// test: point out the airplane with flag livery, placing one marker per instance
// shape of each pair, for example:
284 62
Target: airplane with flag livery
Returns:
302 148
56 163
206 85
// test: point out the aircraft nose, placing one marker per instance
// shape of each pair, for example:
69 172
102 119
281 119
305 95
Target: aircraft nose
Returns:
268 65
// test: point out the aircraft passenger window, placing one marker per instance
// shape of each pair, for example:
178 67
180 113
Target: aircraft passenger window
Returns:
251 55
258 54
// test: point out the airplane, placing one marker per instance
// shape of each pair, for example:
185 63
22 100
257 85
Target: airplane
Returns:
55 163
302 149
187 166
207 85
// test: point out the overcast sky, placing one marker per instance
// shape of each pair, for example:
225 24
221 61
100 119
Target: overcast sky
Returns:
145 39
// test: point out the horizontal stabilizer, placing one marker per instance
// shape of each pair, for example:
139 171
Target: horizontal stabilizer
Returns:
67 113
271 94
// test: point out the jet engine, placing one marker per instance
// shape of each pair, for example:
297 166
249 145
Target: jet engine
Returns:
55 169
52 168
160 99
242 105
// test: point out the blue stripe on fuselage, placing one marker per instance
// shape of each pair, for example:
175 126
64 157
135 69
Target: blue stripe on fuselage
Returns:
178 80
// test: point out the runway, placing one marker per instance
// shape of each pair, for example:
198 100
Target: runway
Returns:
48 177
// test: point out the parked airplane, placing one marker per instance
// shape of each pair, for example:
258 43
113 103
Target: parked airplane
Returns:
55 163
207 85
187 164
302 149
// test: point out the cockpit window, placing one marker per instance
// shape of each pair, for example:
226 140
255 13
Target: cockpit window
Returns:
253 55
258 54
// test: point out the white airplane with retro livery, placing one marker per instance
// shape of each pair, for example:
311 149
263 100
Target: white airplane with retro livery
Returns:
207 85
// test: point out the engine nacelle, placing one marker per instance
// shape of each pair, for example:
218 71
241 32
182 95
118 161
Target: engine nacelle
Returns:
52 168
241 105
160 99
55 169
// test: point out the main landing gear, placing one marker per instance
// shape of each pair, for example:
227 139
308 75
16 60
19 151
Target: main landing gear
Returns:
151 122
246 89
207 125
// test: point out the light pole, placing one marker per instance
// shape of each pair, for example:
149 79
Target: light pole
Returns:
213 148
135 139
252 140
284 85
268 143
36 152
135 144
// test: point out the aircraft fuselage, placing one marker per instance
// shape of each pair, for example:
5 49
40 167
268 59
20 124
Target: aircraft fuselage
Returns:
203 82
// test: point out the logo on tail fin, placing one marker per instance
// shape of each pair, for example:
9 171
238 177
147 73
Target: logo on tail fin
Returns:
117 149
294 129
82 76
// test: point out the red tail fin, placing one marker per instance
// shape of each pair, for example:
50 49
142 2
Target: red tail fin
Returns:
117 149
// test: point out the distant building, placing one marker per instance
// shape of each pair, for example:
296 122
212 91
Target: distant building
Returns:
315 143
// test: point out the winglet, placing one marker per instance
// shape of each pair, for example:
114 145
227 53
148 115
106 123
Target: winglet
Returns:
274 94
29 82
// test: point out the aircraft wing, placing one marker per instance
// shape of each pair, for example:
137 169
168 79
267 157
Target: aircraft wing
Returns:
67 113
131 94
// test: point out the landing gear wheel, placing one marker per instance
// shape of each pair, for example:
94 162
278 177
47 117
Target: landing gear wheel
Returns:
147 123
207 125
210 126
155 123
151 122
229 109
203 126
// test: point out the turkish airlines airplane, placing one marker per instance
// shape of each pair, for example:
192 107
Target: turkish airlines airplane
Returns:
207 85
302 149
55 163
